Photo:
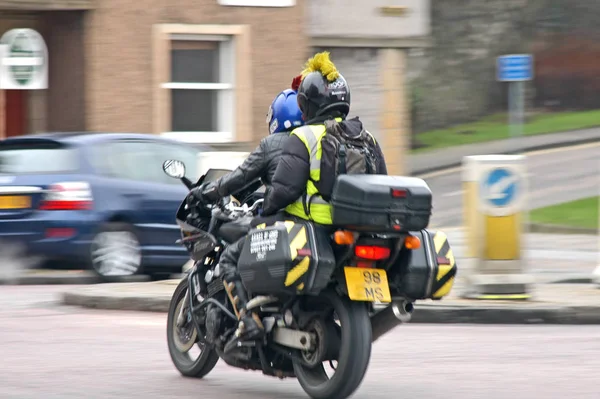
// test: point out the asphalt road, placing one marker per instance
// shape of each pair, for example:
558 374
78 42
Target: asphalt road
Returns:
54 352
555 176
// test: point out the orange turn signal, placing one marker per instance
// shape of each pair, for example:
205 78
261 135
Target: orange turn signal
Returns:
343 237
412 242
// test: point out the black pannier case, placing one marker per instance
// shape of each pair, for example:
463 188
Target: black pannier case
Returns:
419 273
287 257
381 203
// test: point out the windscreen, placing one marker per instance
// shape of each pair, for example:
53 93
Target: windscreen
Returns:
214 174
39 158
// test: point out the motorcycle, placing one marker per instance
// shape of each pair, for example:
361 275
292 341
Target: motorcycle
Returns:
324 294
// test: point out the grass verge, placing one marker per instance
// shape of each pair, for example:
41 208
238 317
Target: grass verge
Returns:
581 213
495 127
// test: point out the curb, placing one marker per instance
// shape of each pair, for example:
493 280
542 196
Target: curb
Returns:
574 280
424 313
134 303
48 280
527 148
507 315
557 229
67 279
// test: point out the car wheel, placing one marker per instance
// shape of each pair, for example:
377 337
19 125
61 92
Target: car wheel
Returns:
116 251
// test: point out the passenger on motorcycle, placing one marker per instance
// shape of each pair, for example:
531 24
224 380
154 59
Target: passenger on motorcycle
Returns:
283 117
323 96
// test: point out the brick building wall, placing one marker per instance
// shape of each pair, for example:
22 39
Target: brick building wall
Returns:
118 54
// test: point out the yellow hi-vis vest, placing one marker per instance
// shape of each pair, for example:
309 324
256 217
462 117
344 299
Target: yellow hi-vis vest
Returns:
319 209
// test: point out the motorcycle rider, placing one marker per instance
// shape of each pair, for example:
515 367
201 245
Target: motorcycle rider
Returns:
323 95
283 116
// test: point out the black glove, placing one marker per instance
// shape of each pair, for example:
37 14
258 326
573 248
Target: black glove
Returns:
206 193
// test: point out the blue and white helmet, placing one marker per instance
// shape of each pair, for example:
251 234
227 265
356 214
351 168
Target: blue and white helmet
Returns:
284 114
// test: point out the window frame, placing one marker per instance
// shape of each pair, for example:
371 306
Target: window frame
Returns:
258 3
234 101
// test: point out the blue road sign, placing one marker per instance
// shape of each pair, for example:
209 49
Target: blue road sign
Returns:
500 187
514 68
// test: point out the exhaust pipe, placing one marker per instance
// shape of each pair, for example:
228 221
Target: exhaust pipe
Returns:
387 319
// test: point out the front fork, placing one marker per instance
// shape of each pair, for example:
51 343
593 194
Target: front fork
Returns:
187 299
181 318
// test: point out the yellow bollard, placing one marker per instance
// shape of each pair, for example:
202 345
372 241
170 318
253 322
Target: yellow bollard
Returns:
470 201
495 194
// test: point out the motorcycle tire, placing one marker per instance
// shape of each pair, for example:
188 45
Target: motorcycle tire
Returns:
208 358
354 357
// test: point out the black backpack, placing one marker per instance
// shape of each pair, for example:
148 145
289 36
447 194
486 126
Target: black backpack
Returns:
344 154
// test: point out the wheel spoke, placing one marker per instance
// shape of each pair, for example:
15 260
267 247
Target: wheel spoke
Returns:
116 253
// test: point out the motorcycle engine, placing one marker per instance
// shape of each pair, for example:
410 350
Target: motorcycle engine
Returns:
212 323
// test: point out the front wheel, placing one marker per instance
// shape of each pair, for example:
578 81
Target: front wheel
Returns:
181 340
353 356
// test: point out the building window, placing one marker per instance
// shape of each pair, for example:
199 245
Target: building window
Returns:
199 98
202 85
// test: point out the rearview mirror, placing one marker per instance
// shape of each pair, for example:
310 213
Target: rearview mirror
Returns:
174 168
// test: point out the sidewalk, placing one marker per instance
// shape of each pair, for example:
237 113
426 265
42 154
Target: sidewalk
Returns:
450 157
551 258
551 304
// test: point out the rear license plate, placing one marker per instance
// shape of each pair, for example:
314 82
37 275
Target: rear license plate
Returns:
369 285
15 202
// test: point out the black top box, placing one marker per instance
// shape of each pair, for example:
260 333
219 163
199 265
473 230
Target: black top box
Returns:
381 203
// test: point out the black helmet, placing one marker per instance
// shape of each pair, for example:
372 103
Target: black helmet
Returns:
318 95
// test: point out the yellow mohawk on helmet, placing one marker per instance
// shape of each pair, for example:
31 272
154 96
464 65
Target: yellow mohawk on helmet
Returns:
320 62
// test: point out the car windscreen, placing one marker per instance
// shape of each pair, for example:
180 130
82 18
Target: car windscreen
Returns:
37 158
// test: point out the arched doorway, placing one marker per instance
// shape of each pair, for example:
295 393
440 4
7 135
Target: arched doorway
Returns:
15 112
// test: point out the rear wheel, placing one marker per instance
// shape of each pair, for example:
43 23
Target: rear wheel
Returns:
353 356
182 340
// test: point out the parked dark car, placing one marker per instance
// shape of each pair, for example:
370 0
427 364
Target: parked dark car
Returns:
98 200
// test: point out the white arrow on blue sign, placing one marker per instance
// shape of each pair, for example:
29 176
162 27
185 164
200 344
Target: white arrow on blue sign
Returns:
514 68
501 187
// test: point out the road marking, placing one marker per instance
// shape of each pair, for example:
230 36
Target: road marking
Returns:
440 173
537 152
452 193
563 149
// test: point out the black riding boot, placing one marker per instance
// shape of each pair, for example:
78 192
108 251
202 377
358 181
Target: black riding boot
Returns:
250 326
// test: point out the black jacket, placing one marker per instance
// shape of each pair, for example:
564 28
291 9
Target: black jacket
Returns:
261 163
293 170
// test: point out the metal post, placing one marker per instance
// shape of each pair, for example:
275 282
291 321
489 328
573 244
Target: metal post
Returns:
516 108
515 69
511 109
596 272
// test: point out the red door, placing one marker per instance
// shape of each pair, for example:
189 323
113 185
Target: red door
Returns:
15 112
